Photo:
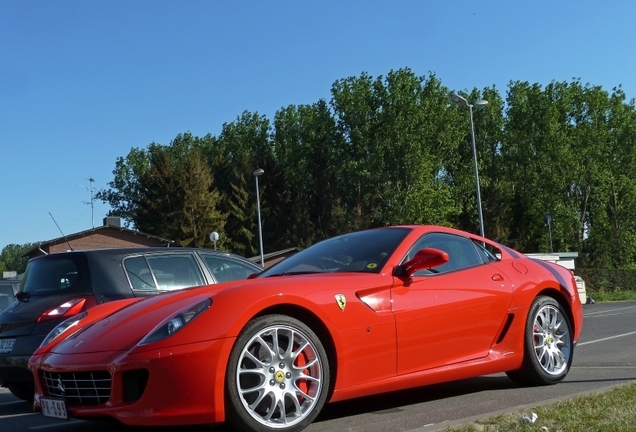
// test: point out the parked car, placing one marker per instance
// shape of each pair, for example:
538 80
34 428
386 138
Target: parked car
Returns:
57 286
580 285
8 289
360 314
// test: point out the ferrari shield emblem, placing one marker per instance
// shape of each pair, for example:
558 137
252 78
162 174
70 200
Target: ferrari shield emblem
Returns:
341 301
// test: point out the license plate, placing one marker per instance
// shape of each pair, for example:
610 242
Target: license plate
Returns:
54 408
6 345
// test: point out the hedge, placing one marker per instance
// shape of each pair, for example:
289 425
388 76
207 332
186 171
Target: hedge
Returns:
607 279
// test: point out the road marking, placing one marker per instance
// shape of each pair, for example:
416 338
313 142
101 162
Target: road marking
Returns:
606 339
18 415
12 403
597 313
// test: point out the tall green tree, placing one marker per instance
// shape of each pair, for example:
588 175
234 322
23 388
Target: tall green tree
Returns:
12 257
243 146
123 191
394 139
177 199
305 140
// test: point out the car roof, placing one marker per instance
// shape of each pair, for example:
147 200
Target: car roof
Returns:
129 250
146 250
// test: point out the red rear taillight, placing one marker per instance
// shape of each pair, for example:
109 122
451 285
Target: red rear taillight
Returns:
68 308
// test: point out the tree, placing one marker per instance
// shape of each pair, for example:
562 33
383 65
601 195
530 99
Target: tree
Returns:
243 146
394 140
123 191
176 198
12 257
304 141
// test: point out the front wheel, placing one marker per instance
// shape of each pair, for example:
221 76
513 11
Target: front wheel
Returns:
277 376
22 390
548 344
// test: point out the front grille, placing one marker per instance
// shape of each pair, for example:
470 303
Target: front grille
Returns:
78 388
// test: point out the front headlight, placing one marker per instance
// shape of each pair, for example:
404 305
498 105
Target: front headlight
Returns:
176 322
62 327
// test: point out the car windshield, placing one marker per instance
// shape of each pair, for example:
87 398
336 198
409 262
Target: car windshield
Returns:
363 251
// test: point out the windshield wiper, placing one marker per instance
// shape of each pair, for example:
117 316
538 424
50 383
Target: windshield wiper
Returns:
296 273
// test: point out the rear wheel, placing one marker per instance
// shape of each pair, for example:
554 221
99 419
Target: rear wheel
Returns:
277 376
548 344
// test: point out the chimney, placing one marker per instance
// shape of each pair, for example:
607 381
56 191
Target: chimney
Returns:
114 221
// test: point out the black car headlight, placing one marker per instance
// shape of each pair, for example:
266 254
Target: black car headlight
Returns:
176 322
62 327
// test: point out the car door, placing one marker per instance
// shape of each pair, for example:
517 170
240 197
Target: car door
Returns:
451 313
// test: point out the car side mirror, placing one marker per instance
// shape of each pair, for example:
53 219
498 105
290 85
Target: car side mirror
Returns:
424 259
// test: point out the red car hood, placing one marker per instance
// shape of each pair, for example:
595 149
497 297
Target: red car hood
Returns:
125 328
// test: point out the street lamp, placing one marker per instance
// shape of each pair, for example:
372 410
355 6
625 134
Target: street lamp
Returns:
259 172
547 220
214 236
478 104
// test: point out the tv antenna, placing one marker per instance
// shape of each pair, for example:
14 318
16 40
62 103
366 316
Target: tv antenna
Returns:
90 189
63 235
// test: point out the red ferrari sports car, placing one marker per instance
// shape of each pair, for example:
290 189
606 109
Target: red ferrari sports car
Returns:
421 304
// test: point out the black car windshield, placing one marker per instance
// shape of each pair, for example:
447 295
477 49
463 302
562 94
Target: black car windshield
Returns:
362 251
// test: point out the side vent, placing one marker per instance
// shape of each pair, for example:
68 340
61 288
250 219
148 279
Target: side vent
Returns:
134 384
505 329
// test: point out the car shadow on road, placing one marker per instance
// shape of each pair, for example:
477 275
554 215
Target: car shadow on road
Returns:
10 405
391 401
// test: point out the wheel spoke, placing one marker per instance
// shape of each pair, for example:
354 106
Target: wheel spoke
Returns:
258 400
259 364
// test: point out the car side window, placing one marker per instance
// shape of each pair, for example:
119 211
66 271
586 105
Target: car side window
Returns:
175 271
226 269
485 254
139 273
461 251
6 296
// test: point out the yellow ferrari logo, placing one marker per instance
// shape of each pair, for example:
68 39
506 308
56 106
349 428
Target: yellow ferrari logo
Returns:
280 376
341 301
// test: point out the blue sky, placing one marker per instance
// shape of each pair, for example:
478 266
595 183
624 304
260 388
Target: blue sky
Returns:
83 82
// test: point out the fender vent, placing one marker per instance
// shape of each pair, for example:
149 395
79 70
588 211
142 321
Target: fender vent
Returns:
506 327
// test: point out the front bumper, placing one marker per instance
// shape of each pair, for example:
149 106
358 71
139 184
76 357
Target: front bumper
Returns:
14 365
185 384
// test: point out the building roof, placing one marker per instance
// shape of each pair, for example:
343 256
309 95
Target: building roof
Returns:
109 225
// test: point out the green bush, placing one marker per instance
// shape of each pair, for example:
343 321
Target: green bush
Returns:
607 280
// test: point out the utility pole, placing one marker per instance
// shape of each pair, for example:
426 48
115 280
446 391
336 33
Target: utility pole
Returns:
91 189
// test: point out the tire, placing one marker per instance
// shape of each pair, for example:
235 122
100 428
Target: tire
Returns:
548 344
22 390
272 384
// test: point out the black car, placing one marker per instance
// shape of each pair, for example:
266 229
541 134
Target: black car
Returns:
57 286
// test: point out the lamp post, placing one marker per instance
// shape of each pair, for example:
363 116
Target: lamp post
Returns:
547 220
259 172
214 236
478 104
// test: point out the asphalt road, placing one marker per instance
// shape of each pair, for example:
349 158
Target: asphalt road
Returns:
605 357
